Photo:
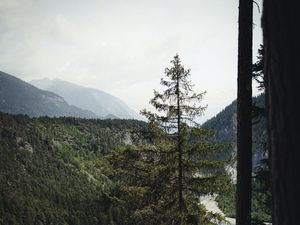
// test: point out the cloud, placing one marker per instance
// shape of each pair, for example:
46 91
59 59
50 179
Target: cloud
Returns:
122 46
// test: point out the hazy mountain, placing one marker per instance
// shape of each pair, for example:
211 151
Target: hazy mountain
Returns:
97 101
19 97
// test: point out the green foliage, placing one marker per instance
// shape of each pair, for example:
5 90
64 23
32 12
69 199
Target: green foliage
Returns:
224 125
48 173
259 212
160 180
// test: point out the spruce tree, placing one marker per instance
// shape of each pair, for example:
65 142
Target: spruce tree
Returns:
162 177
176 102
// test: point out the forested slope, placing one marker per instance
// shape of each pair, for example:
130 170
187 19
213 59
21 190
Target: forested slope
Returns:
224 125
49 172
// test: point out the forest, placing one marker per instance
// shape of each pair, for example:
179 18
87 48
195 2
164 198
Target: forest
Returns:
49 172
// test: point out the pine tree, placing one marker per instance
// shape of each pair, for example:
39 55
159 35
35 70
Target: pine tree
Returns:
163 176
175 101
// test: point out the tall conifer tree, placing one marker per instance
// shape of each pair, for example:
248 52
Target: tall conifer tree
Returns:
162 177
181 105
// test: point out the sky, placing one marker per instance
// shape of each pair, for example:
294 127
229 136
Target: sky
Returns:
123 46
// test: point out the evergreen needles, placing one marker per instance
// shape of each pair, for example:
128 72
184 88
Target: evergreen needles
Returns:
161 178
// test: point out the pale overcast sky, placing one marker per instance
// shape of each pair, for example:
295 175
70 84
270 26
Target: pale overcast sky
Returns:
123 46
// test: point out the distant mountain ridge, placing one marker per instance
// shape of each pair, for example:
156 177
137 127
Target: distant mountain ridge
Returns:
97 101
20 97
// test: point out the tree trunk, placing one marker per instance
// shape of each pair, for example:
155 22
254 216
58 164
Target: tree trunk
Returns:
281 24
179 145
244 121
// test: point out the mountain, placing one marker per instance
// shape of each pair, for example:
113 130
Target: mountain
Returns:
99 102
19 97
225 126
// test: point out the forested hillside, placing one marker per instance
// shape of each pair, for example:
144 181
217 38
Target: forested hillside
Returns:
56 176
49 173
225 126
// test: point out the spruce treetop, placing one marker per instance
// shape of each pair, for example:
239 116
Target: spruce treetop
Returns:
177 100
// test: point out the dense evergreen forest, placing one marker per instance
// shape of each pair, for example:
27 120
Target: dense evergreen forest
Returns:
55 171
49 173
52 168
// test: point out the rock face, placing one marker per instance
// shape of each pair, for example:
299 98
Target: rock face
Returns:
97 101
19 97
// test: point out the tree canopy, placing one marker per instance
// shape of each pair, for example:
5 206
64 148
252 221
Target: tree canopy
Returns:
175 163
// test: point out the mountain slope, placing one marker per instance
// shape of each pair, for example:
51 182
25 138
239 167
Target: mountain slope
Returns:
50 173
225 126
19 97
99 102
